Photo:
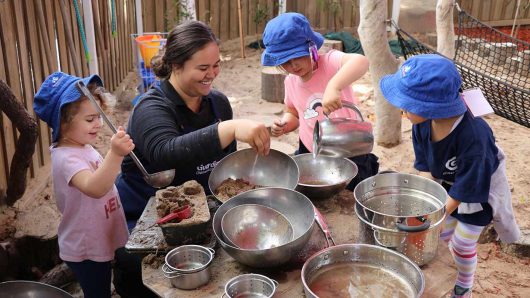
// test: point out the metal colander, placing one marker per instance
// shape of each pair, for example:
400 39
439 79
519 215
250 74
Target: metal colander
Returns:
250 285
403 212
188 258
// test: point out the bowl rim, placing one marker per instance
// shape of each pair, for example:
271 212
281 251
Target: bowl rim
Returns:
210 184
303 155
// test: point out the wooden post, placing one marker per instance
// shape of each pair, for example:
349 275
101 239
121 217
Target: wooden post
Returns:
272 88
90 37
241 37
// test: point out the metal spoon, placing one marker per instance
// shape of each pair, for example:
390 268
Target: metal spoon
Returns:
156 180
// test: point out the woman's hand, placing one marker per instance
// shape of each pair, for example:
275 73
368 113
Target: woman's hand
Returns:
121 143
251 132
255 134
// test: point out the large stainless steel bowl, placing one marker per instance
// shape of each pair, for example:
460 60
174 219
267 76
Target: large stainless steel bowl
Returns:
253 226
323 176
29 289
274 170
296 207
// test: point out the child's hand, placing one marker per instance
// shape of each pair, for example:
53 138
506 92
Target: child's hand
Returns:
121 143
331 100
277 128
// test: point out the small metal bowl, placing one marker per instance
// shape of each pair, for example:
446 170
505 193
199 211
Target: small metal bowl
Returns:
250 285
323 176
253 226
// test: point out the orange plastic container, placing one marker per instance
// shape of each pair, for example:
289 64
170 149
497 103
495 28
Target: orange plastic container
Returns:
149 46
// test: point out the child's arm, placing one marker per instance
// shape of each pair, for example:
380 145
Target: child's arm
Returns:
286 124
353 67
96 184
451 205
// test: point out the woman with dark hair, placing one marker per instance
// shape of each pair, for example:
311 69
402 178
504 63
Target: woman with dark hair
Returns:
181 124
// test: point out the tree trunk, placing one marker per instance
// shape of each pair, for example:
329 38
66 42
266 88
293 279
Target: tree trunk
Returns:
25 146
445 28
373 36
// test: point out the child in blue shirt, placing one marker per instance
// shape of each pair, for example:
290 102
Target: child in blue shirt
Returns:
457 150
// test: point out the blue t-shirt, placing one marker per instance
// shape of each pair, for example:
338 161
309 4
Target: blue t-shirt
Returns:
464 160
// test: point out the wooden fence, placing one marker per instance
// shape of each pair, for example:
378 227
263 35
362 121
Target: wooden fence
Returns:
38 37
498 12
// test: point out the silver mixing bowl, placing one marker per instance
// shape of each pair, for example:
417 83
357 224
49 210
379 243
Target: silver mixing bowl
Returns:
254 226
296 207
274 170
30 289
323 176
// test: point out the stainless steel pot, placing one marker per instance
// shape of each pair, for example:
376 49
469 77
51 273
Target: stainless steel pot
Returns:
361 270
250 285
188 266
403 212
296 207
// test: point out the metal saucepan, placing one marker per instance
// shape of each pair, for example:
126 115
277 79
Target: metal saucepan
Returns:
404 211
188 266
296 207
323 176
250 285
274 170
361 270
156 180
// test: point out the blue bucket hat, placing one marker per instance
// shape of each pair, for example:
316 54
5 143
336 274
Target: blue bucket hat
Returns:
56 91
286 37
426 85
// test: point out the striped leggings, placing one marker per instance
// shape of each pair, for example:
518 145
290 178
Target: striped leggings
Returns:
461 239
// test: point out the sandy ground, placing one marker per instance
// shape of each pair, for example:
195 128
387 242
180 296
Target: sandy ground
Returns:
498 275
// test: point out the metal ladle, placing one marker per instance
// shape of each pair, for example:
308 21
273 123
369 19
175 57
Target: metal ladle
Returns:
156 180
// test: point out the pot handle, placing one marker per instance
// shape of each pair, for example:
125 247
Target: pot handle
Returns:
168 272
276 284
211 250
424 226
351 106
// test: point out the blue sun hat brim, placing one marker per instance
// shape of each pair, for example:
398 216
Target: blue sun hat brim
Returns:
56 91
288 36
425 85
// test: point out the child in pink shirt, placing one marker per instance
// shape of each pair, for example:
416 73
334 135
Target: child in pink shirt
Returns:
314 82
93 224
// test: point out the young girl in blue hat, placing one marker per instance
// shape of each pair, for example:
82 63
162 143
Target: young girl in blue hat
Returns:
457 150
314 80
93 223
